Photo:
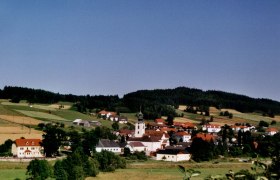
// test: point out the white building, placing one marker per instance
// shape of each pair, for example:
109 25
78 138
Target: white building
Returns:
136 146
27 148
271 131
173 155
108 145
152 142
182 136
211 128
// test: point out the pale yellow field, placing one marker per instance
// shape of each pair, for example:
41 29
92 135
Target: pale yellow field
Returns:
14 132
214 111
183 119
231 111
20 119
56 106
182 107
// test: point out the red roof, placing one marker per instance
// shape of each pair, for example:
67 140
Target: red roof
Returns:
107 112
136 144
205 137
182 133
159 120
272 130
28 142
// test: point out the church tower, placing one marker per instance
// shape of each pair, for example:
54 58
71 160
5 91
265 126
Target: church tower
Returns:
139 126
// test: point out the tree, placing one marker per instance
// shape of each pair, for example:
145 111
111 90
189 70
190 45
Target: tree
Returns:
108 161
75 139
263 123
5 149
115 126
39 170
202 150
52 140
170 120
59 172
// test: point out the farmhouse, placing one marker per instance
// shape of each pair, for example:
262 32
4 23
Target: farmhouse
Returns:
27 148
182 136
108 145
159 121
80 122
211 128
173 155
271 131
106 114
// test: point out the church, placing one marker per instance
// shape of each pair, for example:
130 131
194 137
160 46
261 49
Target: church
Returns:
153 141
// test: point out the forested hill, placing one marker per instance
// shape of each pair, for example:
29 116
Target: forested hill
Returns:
157 101
197 97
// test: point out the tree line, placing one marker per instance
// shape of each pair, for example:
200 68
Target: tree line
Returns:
153 103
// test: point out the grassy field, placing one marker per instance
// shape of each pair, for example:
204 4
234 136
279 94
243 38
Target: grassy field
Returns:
11 174
41 115
149 170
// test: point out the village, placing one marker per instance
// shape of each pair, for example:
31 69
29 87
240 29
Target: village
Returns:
159 140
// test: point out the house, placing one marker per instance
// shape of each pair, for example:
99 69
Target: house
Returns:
106 114
27 148
211 128
136 146
159 121
122 120
271 131
241 128
108 145
114 117
80 122
174 155
205 136
152 142
125 133
182 136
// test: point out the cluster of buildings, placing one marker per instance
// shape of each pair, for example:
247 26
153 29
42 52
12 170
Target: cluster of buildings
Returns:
153 138
154 142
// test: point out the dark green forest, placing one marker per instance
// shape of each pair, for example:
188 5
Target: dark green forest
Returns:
153 103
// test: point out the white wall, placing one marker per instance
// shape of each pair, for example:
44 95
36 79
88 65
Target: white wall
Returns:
111 149
173 158
20 151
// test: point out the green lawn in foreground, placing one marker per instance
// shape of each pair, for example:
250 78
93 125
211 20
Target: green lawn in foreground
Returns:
11 174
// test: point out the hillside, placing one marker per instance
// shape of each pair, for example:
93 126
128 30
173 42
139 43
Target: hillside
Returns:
21 119
154 103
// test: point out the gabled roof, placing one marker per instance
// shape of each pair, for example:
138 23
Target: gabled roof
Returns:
146 139
205 136
28 142
126 132
212 126
159 120
136 144
182 133
107 143
271 130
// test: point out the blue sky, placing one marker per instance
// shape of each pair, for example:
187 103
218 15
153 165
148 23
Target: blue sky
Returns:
118 46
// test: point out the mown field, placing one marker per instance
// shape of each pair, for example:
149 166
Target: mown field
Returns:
149 170
17 119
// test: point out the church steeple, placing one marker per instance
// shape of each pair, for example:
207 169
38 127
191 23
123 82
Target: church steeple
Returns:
140 125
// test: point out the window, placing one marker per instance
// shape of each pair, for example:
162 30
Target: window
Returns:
21 148
32 148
